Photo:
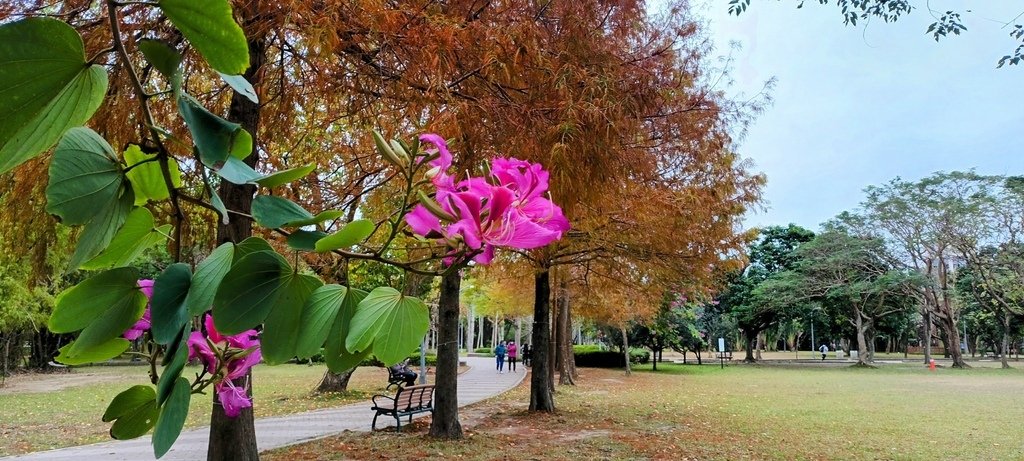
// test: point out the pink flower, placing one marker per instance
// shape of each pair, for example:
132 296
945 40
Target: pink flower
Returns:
232 398
505 209
242 352
145 323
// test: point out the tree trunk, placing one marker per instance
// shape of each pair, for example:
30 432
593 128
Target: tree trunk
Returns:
567 368
862 347
445 422
541 398
234 439
1004 354
470 329
519 331
625 349
927 336
760 345
749 336
335 382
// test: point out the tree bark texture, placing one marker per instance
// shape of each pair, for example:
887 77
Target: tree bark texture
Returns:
1004 353
749 336
567 368
234 439
625 349
335 382
445 422
541 398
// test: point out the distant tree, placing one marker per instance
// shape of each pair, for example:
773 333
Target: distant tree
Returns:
774 252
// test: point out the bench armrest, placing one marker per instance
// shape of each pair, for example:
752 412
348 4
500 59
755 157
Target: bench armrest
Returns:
378 405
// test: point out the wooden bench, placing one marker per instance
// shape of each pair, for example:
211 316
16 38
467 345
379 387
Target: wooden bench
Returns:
407 402
723 355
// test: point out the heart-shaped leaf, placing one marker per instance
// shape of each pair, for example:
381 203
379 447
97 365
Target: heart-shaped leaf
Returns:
135 236
282 327
127 401
249 291
212 30
164 59
103 307
46 87
100 231
304 240
136 423
318 315
339 358
85 177
393 323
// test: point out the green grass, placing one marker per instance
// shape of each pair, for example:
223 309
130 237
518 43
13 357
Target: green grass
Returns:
33 421
899 412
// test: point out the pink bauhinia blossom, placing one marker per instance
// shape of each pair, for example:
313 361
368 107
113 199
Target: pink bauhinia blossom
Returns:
505 209
226 358
145 323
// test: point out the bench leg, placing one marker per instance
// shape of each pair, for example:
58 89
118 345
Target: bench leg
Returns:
398 421
373 426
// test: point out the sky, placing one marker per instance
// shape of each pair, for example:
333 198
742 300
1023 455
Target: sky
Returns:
859 106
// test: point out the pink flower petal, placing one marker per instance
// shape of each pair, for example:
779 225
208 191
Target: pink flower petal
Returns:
232 398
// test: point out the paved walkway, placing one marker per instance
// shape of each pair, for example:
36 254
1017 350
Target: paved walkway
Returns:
481 381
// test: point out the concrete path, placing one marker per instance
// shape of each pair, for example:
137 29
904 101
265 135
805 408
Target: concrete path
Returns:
481 381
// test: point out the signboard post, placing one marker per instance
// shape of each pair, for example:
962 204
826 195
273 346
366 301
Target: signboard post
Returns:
721 351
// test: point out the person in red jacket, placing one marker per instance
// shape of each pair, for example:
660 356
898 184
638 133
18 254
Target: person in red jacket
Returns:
513 352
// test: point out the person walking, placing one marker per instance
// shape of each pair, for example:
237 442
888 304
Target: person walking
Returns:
824 351
499 355
526 355
512 353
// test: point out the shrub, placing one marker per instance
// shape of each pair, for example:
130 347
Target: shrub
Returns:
577 348
482 350
414 360
610 359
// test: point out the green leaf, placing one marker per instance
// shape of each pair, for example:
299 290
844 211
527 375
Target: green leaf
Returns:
85 177
127 401
46 87
168 305
136 423
241 147
339 358
103 307
394 324
286 176
135 236
101 230
353 233
236 171
207 278
217 203
249 291
318 315
172 417
81 305
249 246
211 28
147 179
105 351
215 137
241 86
174 360
304 240
281 328
273 212
164 59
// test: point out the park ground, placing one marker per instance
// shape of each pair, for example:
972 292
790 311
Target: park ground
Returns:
778 411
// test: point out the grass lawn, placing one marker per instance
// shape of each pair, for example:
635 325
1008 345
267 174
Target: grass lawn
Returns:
742 412
34 416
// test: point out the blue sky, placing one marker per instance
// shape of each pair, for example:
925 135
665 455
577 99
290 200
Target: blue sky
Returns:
856 106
